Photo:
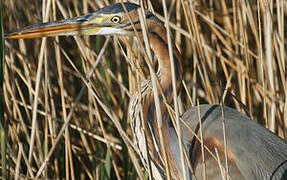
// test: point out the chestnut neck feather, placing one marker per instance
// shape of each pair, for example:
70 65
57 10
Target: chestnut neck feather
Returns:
158 42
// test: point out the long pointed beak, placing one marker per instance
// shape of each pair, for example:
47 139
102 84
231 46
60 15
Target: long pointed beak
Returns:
82 25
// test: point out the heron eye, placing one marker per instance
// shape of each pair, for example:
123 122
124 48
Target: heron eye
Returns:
116 19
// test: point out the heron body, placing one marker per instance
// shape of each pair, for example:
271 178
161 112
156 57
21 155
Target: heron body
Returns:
251 152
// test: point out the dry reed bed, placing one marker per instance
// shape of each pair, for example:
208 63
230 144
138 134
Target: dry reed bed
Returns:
234 53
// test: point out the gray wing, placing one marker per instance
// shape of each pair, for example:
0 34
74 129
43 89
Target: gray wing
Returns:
253 151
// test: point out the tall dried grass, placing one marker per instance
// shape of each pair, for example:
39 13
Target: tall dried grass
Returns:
66 110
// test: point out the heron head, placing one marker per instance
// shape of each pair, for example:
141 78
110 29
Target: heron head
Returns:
116 19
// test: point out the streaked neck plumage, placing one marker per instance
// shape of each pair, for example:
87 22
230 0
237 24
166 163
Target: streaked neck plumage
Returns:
158 43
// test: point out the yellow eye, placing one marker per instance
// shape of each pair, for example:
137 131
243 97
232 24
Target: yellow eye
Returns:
116 19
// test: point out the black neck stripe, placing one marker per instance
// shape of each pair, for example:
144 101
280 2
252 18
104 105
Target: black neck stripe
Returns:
138 21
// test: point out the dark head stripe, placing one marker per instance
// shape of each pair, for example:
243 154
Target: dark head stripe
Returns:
138 22
117 8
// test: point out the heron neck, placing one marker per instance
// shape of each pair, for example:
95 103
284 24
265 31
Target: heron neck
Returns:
158 44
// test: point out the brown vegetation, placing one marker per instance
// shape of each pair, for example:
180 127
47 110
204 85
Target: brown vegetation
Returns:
234 53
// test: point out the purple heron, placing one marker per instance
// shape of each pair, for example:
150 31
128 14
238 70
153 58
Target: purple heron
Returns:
251 151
